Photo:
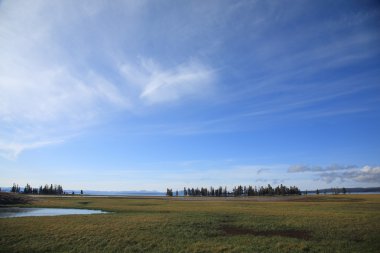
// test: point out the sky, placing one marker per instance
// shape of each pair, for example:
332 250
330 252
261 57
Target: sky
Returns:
149 95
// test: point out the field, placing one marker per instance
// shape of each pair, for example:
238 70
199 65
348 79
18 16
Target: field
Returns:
327 223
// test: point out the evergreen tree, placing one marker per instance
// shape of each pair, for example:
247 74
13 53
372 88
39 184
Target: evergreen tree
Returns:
212 191
224 192
13 189
249 191
244 191
197 192
169 192
27 189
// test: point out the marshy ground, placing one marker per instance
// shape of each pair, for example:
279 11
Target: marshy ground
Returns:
327 223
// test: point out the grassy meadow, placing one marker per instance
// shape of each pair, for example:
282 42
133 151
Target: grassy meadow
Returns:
327 223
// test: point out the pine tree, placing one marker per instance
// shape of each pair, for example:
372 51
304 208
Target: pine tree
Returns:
13 189
169 192
27 189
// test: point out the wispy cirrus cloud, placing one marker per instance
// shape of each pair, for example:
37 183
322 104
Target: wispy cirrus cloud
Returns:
50 85
12 150
156 85
42 103
63 66
43 98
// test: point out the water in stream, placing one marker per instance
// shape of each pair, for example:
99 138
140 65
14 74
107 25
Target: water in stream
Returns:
12 212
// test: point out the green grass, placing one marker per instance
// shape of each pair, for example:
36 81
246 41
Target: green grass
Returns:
349 223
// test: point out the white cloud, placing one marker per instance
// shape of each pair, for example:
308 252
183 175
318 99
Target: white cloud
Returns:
365 174
157 85
342 173
43 102
12 150
307 168
64 65
50 85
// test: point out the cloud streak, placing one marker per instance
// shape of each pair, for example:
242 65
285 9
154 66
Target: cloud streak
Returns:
307 168
51 88
156 85
12 150
66 66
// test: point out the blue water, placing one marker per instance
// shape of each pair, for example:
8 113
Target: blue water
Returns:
13 212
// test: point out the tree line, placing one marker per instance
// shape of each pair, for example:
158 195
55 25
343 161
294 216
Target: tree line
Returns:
334 190
237 191
28 189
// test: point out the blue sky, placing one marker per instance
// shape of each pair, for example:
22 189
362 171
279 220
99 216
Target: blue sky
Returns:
131 95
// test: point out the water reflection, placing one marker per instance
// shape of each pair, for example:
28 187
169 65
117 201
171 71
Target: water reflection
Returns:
9 212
